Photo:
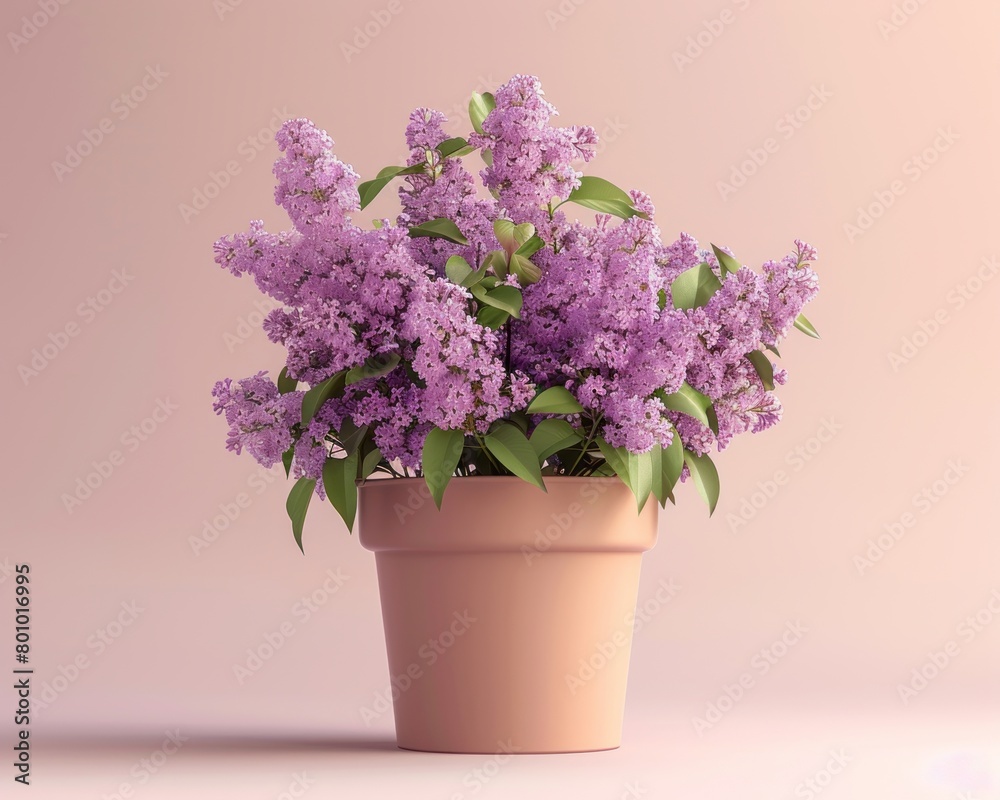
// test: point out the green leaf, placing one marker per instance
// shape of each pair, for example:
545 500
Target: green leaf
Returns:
351 436
661 299
440 228
657 481
531 246
341 488
591 187
460 272
497 259
773 349
479 108
457 269
286 459
297 505
806 326
527 272
369 190
523 233
687 400
617 458
503 229
727 264
555 400
552 435
374 367
506 298
765 370
671 465
319 394
640 470
634 469
372 458
667 463
476 278
520 419
694 287
512 449
713 420
492 318
605 197
286 384
480 277
514 238
442 451
705 477
454 148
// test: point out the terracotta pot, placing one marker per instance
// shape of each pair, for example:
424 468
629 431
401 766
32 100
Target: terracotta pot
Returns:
508 612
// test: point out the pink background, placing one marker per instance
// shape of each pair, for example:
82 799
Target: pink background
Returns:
875 431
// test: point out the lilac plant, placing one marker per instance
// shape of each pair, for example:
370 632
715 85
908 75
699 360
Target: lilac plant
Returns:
498 336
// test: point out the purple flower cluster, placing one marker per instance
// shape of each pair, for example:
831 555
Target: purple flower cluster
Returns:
533 162
259 418
448 190
750 311
601 321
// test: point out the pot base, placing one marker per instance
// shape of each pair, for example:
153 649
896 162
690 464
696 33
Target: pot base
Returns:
495 752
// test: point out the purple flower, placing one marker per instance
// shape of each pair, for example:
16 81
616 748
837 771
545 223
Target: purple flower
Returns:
532 161
456 358
314 187
600 321
259 418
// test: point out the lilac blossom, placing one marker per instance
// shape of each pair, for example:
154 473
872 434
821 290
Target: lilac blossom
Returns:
600 321
533 162
260 420
449 191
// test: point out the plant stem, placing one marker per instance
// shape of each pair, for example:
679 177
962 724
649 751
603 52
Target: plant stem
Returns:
586 445
489 455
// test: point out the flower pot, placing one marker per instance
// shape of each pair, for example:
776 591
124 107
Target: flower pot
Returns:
508 612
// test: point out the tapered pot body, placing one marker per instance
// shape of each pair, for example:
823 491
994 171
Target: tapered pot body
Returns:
508 612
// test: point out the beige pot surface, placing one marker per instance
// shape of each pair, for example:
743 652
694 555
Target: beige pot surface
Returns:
507 613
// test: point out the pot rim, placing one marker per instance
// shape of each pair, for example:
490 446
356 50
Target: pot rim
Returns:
389 479
503 513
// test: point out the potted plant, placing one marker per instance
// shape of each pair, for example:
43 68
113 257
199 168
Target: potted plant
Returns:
565 371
